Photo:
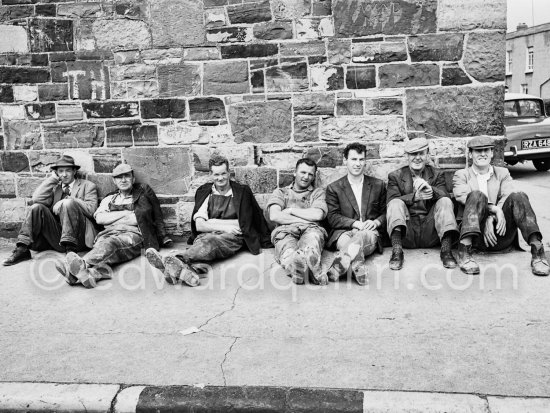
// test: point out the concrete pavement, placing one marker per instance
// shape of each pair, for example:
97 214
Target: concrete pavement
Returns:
422 329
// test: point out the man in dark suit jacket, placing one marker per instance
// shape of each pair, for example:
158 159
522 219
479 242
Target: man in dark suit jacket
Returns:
356 216
419 210
61 216
226 218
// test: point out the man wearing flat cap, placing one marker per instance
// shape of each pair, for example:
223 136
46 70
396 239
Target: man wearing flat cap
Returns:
133 221
491 212
419 210
61 214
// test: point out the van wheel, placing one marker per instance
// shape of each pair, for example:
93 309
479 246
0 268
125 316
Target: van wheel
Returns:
542 164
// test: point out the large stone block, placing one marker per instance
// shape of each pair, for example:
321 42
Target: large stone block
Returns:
136 9
384 106
138 71
226 78
279 156
484 56
201 53
242 51
104 184
24 75
290 9
87 79
90 10
69 112
121 34
179 80
314 104
177 22
40 161
229 35
455 15
22 135
355 18
12 210
73 135
51 35
249 12
259 179
306 129
26 185
13 39
277 30
349 107
206 109
142 89
114 109
287 78
6 94
7 185
163 108
105 160
379 52
261 122
452 74
361 77
405 75
314 28
325 77
456 111
434 47
145 135
325 156
40 111
362 129
314 48
53 92
186 133
155 166
339 51
119 136
238 155
14 161
381 168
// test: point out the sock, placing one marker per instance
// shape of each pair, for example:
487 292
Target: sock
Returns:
446 242
22 246
396 239
535 239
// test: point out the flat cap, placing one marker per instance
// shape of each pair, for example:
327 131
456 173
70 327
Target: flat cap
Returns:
416 145
123 168
480 142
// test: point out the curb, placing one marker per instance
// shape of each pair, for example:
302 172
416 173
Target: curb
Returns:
92 398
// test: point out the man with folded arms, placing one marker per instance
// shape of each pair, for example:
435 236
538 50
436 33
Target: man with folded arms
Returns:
299 239
356 215
226 218
492 212
420 212
61 214
133 220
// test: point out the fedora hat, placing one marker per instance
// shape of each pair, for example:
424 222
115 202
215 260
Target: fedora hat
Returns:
65 160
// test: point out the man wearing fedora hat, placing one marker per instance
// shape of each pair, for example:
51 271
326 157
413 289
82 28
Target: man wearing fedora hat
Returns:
61 214
133 221
491 212
419 211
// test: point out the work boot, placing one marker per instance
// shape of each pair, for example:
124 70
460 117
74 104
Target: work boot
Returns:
339 266
447 259
87 278
539 263
466 261
176 270
360 271
19 254
396 259
74 263
313 260
155 259
63 269
298 267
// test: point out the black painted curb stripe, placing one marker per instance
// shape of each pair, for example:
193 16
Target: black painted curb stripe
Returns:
251 399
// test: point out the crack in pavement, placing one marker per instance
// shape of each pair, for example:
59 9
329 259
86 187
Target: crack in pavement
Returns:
225 359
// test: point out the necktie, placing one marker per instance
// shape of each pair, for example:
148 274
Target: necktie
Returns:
66 191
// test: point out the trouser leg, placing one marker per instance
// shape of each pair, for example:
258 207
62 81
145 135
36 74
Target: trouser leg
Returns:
114 249
357 243
285 241
397 215
444 217
475 214
211 246
73 224
40 230
312 238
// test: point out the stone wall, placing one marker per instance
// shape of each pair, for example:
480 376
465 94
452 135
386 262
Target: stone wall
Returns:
164 84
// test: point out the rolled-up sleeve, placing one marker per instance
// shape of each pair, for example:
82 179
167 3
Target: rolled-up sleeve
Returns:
276 198
203 210
319 200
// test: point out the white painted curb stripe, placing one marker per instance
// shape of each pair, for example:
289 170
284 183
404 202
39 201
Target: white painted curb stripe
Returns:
127 399
25 397
518 404
407 402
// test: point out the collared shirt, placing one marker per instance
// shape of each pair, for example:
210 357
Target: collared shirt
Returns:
70 186
287 197
357 189
203 210
482 179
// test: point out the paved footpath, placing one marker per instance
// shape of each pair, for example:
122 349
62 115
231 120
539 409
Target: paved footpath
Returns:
421 339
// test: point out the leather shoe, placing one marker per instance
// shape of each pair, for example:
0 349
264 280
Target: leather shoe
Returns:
465 260
447 259
155 259
360 271
175 270
19 254
539 263
396 260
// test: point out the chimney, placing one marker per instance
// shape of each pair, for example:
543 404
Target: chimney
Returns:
522 26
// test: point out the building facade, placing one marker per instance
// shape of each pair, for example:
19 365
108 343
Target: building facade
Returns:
528 60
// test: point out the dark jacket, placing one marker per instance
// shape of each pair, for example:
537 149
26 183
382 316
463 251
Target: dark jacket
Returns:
255 231
148 215
400 186
343 210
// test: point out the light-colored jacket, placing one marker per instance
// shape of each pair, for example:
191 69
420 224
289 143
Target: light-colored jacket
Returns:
84 192
499 186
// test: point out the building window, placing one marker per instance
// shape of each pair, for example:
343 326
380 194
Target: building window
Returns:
530 59
524 88
509 63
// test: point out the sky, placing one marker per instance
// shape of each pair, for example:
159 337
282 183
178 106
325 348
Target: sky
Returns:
525 11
